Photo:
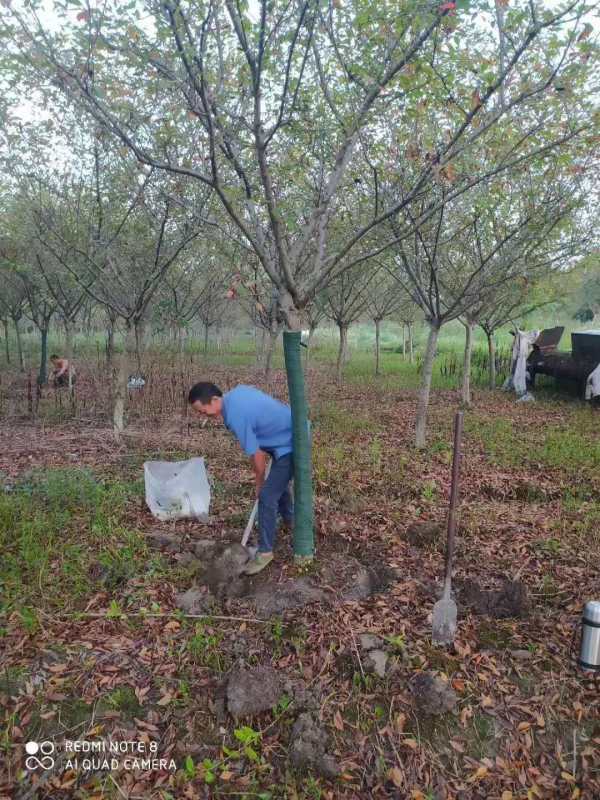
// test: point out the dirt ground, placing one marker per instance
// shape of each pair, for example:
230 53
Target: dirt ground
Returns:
120 661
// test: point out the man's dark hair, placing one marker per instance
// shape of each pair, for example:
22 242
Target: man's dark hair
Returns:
53 356
204 392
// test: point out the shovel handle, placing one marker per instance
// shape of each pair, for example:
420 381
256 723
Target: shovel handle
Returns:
458 429
250 524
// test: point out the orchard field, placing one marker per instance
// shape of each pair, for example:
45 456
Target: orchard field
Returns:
353 205
95 643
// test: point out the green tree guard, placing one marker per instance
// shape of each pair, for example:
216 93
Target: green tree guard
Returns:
304 542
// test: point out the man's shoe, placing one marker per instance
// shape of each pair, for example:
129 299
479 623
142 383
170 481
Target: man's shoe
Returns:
258 563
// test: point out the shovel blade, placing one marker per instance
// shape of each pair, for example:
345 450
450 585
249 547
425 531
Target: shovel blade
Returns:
444 622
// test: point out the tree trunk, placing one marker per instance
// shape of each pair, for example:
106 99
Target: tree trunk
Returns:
410 343
269 352
403 342
110 339
69 348
377 329
120 380
260 346
206 329
303 492
492 359
68 338
19 346
466 376
425 389
311 332
89 321
110 343
341 359
6 344
43 373
139 344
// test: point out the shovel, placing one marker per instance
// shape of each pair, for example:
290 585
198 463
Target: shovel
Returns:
444 611
249 526
252 517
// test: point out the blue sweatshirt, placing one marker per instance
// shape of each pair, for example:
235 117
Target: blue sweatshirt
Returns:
258 421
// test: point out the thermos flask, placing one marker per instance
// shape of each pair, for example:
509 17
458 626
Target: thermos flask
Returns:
589 654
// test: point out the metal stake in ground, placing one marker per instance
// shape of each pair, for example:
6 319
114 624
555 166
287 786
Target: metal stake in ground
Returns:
444 611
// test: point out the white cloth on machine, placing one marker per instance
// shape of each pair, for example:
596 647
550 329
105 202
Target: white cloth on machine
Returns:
592 386
517 379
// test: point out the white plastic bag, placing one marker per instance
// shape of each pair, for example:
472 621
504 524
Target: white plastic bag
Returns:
177 489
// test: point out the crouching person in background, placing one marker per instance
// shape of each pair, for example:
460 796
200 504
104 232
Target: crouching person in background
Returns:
61 372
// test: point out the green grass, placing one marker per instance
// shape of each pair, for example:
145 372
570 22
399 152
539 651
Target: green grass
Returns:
499 438
61 534
478 736
123 698
332 419
395 370
203 647
12 679
571 447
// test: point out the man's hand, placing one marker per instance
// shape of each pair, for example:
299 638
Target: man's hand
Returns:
259 463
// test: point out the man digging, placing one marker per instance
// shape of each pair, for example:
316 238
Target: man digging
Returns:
263 427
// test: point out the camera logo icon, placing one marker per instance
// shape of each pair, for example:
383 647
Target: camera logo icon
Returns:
45 749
